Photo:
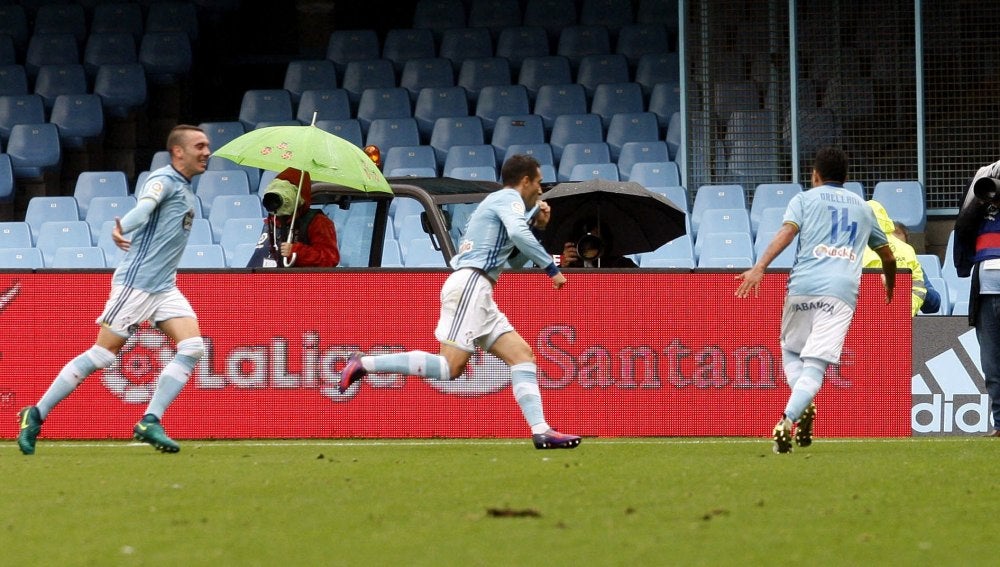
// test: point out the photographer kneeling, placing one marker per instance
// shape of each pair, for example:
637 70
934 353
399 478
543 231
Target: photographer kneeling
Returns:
591 246
313 242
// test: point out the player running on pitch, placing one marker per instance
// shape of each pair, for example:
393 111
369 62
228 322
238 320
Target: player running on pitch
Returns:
469 316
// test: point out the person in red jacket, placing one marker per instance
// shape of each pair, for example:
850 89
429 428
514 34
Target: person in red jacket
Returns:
314 237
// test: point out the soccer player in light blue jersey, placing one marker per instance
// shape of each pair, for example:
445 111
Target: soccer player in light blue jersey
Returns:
143 287
469 316
833 226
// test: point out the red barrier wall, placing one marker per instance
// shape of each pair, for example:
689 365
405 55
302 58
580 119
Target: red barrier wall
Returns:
619 354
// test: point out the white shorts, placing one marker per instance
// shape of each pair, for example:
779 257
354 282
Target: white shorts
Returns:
469 316
127 308
815 326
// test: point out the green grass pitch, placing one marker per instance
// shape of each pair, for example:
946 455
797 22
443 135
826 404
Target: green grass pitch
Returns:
501 502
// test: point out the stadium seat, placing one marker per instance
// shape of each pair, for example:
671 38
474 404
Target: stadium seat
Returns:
34 150
19 109
122 88
574 129
165 56
348 129
393 102
541 152
631 127
432 72
616 98
478 173
323 104
50 49
232 207
6 179
211 184
754 152
402 45
439 15
236 231
387 133
21 258
118 17
90 184
769 195
665 101
82 257
420 253
958 292
783 260
13 80
523 129
160 159
538 71
674 137
345 46
216 163
368 74
409 157
173 17
614 14
521 42
856 187
112 253
201 232
676 194
553 101
633 153
240 255
392 257
461 131
931 265
638 40
577 153
553 15
303 75
679 248
55 80
599 68
501 100
459 44
480 155
79 119
941 287
769 221
576 42
221 133
265 105
402 207
721 220
719 248
475 74
56 234
438 102
15 234
904 201
494 15
716 197
586 171
203 256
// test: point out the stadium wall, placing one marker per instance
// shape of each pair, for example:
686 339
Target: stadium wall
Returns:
674 354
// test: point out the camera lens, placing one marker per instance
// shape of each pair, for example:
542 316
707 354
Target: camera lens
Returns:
589 247
272 202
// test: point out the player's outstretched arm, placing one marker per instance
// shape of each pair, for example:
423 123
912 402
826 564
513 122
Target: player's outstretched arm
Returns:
750 279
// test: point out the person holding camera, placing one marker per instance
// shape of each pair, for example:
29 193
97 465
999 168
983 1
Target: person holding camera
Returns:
590 249
313 242
977 253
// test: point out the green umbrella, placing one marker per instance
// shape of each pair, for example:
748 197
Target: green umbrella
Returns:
307 148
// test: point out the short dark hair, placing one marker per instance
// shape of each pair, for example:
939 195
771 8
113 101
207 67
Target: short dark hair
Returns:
179 133
831 164
516 167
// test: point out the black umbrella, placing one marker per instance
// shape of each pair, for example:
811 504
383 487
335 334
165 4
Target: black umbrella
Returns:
641 220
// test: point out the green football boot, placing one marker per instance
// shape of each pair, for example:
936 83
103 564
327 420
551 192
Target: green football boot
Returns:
149 430
30 422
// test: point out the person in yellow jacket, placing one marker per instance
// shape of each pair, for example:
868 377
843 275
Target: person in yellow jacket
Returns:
906 257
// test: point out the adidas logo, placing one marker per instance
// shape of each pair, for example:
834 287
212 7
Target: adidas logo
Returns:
951 400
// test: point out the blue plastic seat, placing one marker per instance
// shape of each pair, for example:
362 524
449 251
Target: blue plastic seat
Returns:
78 257
221 133
553 15
6 179
679 248
56 234
633 153
345 46
399 209
521 42
904 201
79 119
19 109
392 257
50 49
674 136
599 68
856 187
931 265
665 101
13 80
501 100
216 163
727 245
771 195
495 15
553 101
438 102
461 131
522 129
108 48
576 42
211 184
439 15
538 71
203 256
459 44
783 260
631 127
15 234
676 194
716 197
324 104
941 286
348 129
405 44
232 207
118 17
201 232
638 40
34 150
541 152
431 72
409 157
387 133
240 255
165 56
303 75
480 155
55 80
236 231
391 102
122 88
21 258
586 171
474 173
483 72
721 220
90 184
768 221
576 153
265 105
616 98
420 253
574 129
367 74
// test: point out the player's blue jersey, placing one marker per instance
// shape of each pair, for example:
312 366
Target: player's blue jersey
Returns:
496 226
157 246
835 226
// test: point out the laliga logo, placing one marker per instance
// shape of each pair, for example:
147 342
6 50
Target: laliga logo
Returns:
132 378
485 374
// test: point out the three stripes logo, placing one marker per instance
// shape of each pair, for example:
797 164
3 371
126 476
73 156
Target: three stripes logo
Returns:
952 399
